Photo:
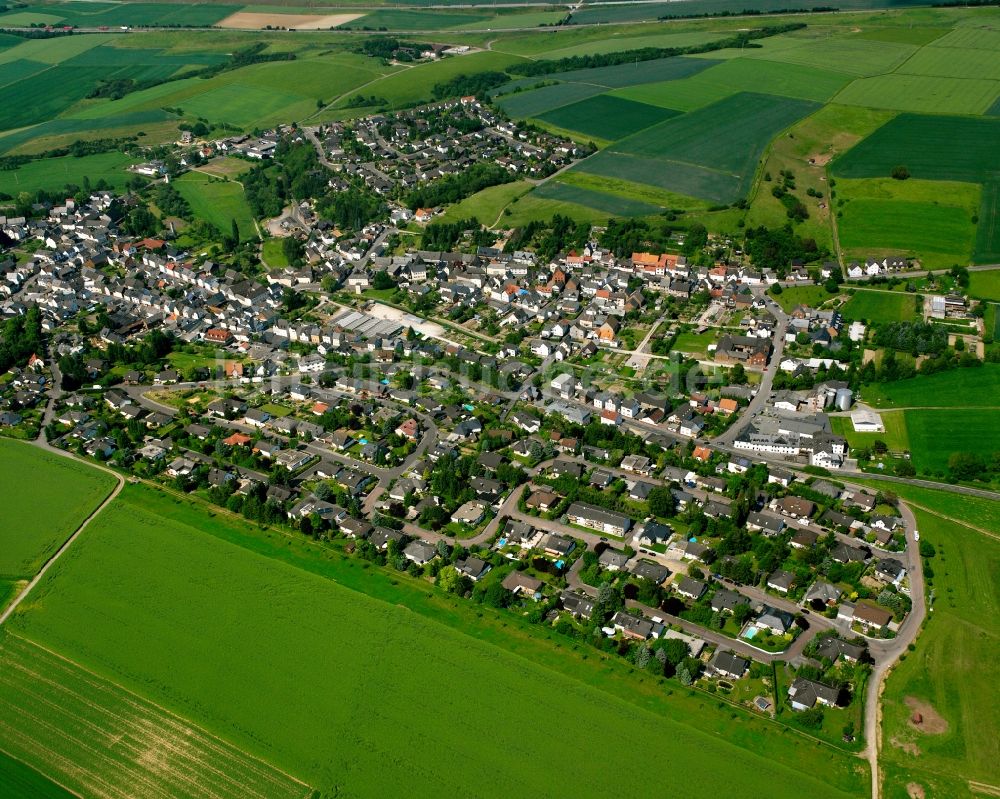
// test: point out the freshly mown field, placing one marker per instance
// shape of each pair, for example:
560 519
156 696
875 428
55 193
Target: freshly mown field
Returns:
153 569
44 498
881 306
936 434
711 153
52 174
945 672
217 201
970 388
607 117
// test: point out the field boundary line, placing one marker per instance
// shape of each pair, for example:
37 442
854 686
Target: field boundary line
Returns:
8 612
51 779
960 523
177 718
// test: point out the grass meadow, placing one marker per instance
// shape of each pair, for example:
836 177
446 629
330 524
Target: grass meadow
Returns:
895 435
936 434
52 174
34 525
217 201
611 204
880 306
487 205
153 569
946 668
985 285
813 296
974 387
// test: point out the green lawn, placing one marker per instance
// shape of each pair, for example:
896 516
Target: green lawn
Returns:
694 343
152 569
217 201
973 387
44 498
880 306
946 671
936 434
273 253
813 296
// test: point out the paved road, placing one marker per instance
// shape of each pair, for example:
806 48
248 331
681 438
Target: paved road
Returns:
759 401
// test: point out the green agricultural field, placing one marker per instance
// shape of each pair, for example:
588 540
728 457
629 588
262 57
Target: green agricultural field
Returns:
985 285
988 230
895 436
922 93
606 117
62 132
152 569
711 153
600 201
805 151
936 434
938 235
842 53
217 201
407 20
680 95
522 105
768 77
880 306
531 207
93 15
952 62
632 191
970 388
29 478
621 75
945 672
930 147
53 174
413 86
17 779
615 41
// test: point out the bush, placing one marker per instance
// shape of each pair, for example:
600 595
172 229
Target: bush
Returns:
900 173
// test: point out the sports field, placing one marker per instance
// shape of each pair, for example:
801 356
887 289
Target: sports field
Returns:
217 201
711 153
971 388
45 497
152 570
882 306
936 434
